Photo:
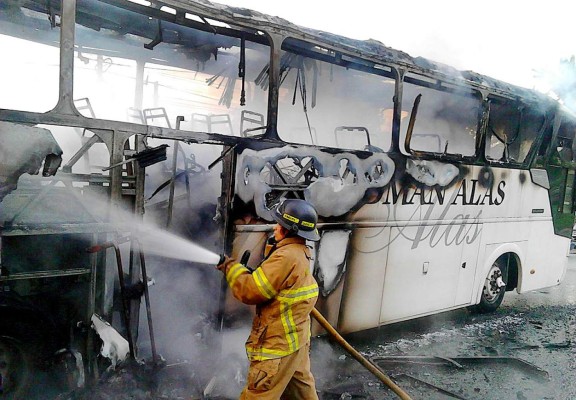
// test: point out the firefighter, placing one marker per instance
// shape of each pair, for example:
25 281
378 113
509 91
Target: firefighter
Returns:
284 292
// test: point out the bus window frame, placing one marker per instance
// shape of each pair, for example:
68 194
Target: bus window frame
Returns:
233 30
447 87
180 17
338 57
532 154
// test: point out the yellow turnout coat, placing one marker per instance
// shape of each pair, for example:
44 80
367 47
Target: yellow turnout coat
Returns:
284 292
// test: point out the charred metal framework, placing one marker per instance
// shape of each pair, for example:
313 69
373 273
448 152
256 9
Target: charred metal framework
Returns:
505 126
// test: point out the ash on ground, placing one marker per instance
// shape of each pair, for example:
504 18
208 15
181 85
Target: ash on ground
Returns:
148 381
524 351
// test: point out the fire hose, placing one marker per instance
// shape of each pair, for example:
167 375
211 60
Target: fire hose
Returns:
359 357
342 342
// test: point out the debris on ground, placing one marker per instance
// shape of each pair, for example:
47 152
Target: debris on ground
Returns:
523 351
144 381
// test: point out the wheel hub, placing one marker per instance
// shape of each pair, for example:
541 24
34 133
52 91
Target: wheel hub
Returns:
493 284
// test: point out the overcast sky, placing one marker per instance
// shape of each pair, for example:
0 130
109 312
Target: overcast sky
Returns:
504 39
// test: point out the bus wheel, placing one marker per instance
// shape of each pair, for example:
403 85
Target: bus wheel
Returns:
15 367
493 290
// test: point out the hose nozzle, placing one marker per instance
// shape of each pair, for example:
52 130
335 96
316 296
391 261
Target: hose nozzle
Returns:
243 260
245 257
222 258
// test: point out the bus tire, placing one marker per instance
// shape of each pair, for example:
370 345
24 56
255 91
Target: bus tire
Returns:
16 366
493 290
22 350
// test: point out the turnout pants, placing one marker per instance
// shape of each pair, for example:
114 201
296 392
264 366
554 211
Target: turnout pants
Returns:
286 378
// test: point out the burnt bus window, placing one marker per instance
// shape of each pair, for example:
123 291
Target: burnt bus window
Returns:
561 166
447 118
511 130
329 99
150 71
38 152
63 296
25 254
83 152
29 70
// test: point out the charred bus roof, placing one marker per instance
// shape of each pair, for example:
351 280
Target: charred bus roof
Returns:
143 22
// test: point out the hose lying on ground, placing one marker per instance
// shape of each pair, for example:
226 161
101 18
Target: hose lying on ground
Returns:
359 357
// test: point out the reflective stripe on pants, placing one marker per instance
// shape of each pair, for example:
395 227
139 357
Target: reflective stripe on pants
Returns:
286 378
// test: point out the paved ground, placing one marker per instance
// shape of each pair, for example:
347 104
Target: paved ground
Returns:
526 350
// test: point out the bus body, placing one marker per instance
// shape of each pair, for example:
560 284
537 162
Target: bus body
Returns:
436 188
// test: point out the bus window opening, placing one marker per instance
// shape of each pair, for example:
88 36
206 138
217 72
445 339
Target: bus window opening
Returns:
561 167
511 131
328 99
446 121
209 78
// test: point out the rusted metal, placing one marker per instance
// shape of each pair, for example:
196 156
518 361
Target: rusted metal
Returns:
125 306
67 36
91 365
429 385
461 362
517 362
370 366
44 274
172 185
82 151
106 245
419 360
176 145
224 154
147 300
225 225
411 123
144 158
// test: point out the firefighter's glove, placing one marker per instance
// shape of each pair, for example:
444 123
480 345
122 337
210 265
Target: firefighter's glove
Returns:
225 264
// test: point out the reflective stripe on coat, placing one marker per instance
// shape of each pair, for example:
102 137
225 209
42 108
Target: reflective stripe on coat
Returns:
284 292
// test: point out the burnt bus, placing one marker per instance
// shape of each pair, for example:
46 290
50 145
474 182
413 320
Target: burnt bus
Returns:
436 188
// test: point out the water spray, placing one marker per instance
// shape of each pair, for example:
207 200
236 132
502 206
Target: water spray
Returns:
186 250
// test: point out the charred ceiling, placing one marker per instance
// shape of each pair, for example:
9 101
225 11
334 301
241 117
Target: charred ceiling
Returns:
139 27
146 26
